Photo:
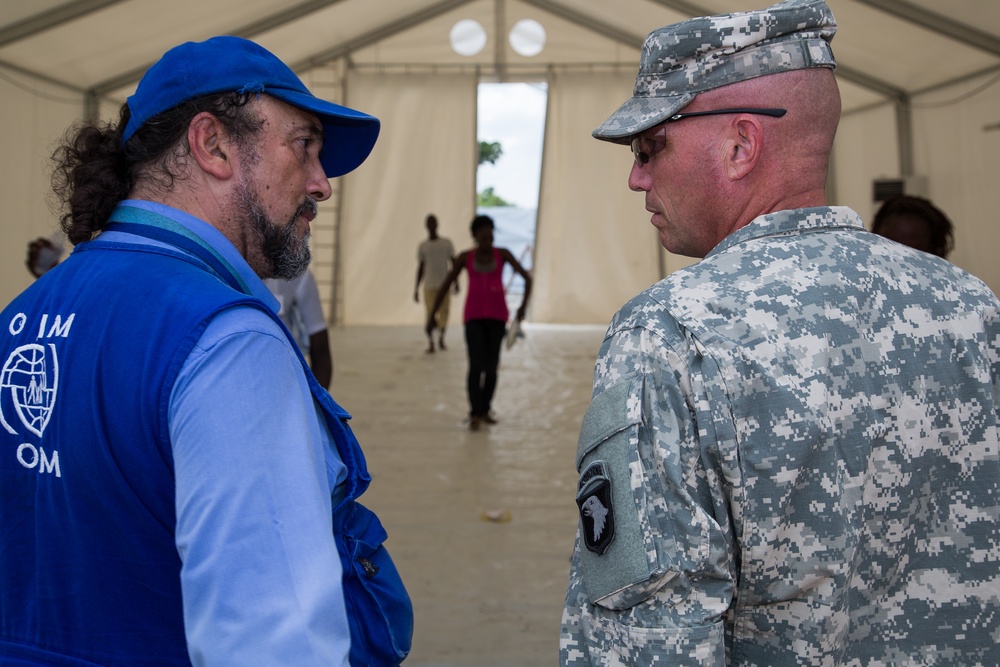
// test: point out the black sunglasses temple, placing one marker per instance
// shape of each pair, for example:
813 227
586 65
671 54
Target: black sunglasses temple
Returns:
774 113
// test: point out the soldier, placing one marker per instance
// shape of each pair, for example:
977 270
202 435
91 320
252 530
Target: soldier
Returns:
791 456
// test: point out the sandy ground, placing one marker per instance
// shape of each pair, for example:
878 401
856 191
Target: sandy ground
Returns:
486 593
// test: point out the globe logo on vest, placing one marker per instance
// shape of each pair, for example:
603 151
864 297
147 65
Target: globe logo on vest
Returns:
28 386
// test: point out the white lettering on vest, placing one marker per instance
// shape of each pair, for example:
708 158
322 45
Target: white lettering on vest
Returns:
49 465
17 323
58 328
34 455
38 456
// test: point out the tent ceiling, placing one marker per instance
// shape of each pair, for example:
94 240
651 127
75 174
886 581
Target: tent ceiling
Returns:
887 49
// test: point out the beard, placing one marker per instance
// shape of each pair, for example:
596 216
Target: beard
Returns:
285 254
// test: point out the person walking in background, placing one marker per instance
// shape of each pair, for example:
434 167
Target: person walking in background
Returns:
175 486
300 309
485 314
915 222
435 257
792 455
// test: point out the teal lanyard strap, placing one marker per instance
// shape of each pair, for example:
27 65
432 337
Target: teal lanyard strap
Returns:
157 227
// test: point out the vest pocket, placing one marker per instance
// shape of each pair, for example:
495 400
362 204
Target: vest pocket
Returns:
379 610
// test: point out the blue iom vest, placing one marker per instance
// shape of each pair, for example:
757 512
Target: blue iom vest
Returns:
89 572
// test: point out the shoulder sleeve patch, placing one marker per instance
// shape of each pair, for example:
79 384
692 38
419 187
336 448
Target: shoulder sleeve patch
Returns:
616 560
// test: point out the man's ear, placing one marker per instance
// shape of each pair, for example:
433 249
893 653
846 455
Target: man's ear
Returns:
744 145
210 146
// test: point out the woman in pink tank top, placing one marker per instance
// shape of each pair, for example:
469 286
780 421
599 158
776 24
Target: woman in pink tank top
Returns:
485 314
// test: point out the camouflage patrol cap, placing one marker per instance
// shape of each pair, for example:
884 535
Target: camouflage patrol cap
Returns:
681 60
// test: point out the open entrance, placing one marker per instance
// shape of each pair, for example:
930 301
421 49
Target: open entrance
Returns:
511 131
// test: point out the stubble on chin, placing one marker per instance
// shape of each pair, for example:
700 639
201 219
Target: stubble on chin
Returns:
272 250
288 252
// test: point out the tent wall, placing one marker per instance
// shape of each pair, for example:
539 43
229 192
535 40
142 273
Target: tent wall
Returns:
958 155
953 157
595 247
33 116
329 83
866 148
424 162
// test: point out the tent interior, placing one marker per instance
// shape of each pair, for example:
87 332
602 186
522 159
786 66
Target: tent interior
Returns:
921 115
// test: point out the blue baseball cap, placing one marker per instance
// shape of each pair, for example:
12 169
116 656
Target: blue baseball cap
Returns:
233 64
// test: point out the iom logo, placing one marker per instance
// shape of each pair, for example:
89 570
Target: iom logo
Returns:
28 385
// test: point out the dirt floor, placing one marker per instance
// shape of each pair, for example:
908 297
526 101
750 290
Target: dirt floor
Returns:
481 524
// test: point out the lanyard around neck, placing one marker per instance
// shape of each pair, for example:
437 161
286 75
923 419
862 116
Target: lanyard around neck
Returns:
150 225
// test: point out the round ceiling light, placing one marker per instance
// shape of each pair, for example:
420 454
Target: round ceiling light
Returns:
527 37
467 37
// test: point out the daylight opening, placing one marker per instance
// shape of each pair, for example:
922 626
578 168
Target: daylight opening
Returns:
511 132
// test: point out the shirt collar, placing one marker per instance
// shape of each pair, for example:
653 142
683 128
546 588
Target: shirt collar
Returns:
213 237
792 221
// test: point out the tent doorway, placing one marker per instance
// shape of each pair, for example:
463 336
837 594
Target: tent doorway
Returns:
511 125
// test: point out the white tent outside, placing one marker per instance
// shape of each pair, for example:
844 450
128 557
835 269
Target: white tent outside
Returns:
916 78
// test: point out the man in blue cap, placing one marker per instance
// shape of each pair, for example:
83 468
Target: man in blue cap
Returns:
791 456
168 466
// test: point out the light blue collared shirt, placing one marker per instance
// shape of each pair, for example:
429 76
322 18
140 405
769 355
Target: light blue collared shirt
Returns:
255 467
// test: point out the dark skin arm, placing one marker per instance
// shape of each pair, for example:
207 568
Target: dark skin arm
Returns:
420 276
456 267
320 359
516 265
416 285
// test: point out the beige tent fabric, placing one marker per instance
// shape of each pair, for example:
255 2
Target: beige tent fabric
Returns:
956 150
954 165
595 247
865 149
424 162
33 117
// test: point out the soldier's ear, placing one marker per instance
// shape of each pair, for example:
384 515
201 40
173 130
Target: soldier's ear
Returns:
744 143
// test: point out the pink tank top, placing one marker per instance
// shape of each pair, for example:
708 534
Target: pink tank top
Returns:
485 300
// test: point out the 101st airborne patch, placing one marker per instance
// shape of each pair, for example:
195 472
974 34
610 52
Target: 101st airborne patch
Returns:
597 517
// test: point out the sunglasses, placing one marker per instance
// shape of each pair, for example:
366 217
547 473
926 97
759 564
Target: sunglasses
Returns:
645 147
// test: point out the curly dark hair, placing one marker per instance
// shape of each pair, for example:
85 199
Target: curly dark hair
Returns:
942 232
92 171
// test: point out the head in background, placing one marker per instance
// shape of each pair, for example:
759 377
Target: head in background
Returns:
482 231
917 223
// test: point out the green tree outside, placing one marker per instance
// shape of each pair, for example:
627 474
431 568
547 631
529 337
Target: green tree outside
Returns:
490 151
488 198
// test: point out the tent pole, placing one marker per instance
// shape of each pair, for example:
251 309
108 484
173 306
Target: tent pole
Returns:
904 133
336 316
499 47
91 106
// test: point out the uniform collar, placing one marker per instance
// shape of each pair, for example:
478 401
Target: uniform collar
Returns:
790 222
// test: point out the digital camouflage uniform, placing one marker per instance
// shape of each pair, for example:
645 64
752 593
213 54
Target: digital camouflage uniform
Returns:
791 456
796 444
